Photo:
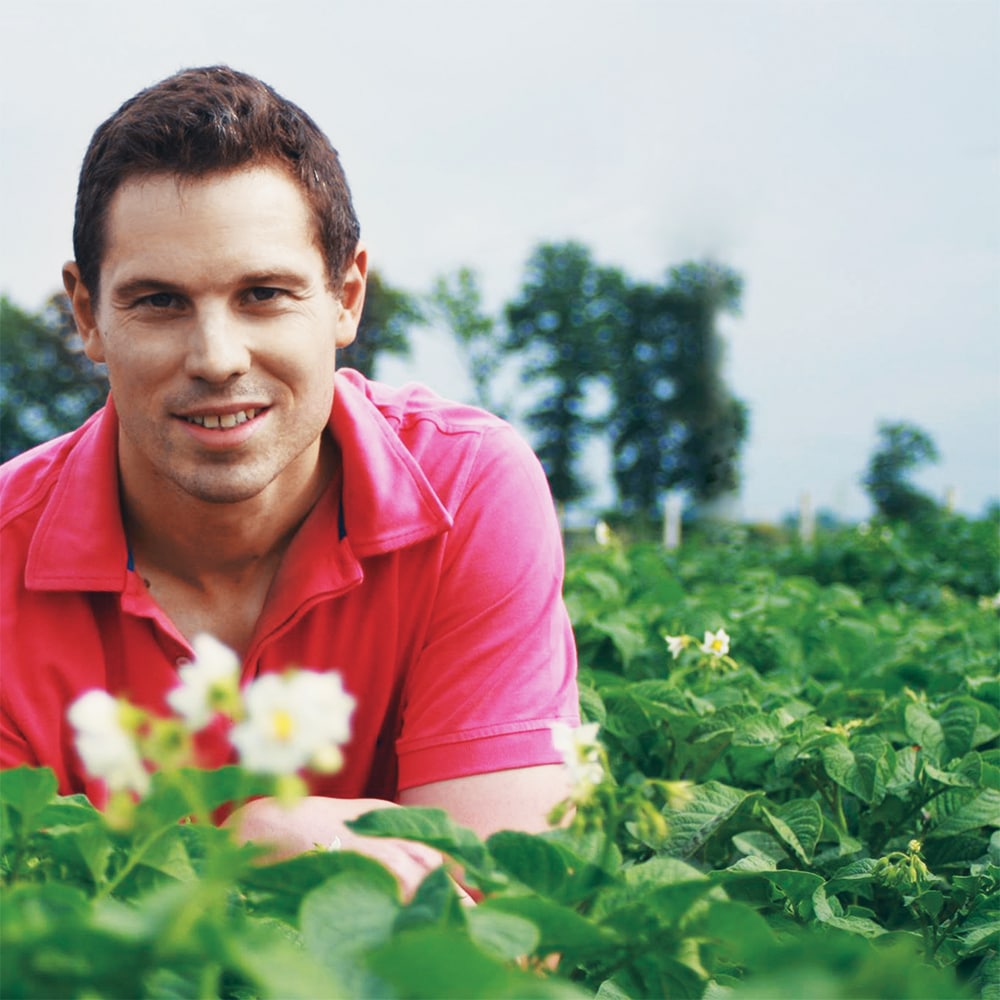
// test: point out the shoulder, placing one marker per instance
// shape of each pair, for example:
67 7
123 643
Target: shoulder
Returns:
455 445
27 479
407 407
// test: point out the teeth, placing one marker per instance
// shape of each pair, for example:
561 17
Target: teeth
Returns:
213 422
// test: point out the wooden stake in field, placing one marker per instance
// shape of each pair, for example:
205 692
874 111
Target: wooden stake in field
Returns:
672 522
807 519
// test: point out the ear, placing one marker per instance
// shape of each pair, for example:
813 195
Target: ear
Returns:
84 310
352 296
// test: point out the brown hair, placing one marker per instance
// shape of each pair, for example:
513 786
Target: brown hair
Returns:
212 120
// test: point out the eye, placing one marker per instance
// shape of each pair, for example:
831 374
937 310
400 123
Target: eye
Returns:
159 300
264 294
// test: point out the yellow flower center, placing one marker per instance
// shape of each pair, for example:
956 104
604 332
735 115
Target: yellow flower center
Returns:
283 725
717 645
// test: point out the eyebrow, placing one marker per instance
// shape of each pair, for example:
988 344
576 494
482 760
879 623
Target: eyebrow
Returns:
139 286
135 287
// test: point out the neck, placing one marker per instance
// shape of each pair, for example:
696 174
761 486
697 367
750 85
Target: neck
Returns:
215 545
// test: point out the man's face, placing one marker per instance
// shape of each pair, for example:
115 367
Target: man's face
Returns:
219 331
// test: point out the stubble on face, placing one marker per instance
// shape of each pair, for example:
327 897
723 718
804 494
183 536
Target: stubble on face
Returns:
215 297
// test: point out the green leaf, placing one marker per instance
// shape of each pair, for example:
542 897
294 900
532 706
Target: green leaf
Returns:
711 805
279 967
561 928
176 795
433 964
958 726
958 814
795 886
592 707
281 887
862 768
637 915
922 728
88 843
797 823
24 792
856 925
167 855
435 903
852 877
505 935
737 930
964 773
760 844
433 827
67 811
627 633
341 922
548 866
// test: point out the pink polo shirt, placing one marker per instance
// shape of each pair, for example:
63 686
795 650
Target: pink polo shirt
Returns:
431 579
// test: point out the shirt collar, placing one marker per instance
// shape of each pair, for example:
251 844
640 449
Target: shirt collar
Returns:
387 501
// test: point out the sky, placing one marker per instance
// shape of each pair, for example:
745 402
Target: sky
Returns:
842 156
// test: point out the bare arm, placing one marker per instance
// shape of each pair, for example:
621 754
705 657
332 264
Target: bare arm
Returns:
518 799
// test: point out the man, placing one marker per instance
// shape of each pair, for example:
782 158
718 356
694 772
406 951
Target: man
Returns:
235 485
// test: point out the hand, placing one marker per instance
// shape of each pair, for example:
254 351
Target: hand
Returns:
317 822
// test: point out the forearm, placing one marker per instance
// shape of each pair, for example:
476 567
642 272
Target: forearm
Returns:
317 822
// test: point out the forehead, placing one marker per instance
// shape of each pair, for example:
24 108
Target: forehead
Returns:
221 219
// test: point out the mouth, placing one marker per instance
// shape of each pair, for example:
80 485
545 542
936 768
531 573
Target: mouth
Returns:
222 421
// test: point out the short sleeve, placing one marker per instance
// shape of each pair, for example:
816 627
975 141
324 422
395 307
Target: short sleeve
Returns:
498 666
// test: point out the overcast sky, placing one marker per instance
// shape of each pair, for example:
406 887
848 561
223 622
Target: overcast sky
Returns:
844 157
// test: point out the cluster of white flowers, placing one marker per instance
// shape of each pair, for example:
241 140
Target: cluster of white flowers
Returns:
284 722
294 720
208 684
581 754
677 644
106 742
714 644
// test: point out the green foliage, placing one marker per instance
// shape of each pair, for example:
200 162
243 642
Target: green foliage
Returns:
656 352
562 324
389 315
901 449
47 385
812 812
459 301
674 423
925 564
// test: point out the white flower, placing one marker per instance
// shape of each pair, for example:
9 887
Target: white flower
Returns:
716 643
676 644
207 684
106 747
581 754
294 720
602 533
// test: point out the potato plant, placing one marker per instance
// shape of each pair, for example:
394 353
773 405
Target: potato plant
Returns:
788 786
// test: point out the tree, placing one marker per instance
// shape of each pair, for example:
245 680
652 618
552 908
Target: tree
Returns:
715 422
674 423
386 321
47 385
458 300
562 324
901 448
645 434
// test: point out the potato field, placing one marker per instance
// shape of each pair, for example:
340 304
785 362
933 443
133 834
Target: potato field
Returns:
788 786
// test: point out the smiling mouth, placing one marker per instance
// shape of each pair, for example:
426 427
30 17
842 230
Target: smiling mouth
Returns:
223 421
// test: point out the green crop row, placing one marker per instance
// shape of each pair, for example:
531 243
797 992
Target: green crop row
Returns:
797 795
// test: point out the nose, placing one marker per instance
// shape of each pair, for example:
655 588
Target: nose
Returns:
217 349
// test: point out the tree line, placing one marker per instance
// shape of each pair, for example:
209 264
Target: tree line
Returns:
597 350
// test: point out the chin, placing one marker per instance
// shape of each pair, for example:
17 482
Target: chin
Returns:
218 490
